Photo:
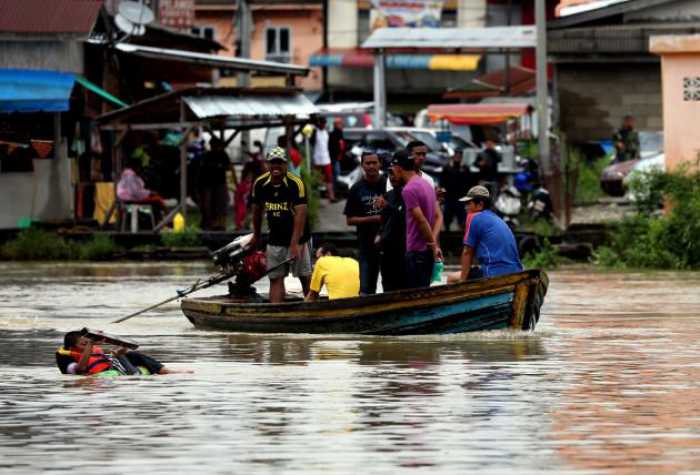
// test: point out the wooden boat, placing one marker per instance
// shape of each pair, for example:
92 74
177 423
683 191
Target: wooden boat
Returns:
511 301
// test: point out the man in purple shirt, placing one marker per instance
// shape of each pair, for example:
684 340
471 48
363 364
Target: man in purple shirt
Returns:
423 222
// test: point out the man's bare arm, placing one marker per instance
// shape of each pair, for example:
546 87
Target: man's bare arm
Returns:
467 259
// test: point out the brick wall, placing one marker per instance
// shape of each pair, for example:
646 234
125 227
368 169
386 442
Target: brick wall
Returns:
593 98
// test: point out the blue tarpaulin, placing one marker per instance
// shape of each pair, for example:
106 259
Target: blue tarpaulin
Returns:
24 90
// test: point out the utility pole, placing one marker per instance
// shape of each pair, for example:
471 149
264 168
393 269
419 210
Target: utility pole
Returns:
542 102
244 32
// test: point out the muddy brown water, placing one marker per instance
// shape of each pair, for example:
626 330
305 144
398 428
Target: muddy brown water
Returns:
608 383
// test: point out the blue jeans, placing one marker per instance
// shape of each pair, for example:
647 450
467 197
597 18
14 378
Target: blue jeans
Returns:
419 268
369 271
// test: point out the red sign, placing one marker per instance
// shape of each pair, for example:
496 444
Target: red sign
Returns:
176 13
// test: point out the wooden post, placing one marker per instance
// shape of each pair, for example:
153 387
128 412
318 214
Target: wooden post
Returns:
183 162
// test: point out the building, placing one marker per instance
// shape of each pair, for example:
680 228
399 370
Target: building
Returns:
282 31
603 68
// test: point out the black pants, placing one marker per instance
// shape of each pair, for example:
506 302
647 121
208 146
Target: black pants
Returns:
419 268
369 271
393 270
133 359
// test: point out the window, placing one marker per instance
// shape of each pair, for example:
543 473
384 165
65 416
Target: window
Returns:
277 44
206 32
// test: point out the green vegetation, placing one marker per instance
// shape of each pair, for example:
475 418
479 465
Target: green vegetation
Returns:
653 240
35 244
312 180
544 258
583 176
190 237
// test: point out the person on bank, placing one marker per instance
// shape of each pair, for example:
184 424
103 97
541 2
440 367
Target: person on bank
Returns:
131 188
626 141
423 222
340 275
487 239
282 195
455 181
362 210
80 355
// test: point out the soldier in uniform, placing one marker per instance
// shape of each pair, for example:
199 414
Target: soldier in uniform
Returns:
626 141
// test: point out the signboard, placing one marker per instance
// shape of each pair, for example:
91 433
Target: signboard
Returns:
177 14
405 13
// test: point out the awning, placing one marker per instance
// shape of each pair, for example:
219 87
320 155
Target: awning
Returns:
357 58
242 107
235 108
25 91
28 90
476 114
465 38
230 62
521 82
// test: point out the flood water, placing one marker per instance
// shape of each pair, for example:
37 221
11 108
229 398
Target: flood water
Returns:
608 383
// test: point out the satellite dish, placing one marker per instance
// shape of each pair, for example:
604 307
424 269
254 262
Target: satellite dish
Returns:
136 12
128 27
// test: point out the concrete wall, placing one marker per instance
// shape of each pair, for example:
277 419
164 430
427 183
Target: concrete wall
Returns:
593 98
53 55
680 60
342 24
44 195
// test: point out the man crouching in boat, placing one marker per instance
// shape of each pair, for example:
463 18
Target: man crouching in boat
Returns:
340 275
488 239
80 355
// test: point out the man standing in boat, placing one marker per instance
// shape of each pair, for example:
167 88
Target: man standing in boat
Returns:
283 197
488 238
362 210
423 222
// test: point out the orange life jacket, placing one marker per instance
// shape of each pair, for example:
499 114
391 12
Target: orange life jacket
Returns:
97 362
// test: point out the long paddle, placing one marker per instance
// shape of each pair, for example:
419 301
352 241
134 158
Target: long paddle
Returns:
213 280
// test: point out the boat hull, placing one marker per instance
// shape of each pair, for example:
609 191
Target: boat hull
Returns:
511 301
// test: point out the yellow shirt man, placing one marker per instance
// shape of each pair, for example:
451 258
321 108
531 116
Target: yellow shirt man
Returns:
341 276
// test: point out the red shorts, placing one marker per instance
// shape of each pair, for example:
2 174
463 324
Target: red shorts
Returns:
327 171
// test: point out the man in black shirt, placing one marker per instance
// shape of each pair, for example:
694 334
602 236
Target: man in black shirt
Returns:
362 210
283 197
455 180
393 237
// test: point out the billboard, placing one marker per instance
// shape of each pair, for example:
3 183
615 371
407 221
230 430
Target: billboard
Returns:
405 13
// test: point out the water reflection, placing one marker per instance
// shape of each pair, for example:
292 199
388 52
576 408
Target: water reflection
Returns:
607 384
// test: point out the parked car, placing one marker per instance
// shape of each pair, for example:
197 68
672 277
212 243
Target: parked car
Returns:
613 179
388 140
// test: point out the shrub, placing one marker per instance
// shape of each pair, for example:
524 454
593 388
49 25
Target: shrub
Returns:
190 237
546 257
670 241
99 248
35 244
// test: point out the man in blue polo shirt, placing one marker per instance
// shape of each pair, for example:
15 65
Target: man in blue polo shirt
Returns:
488 238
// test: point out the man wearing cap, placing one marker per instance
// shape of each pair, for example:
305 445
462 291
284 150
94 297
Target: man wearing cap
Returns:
283 197
423 222
488 238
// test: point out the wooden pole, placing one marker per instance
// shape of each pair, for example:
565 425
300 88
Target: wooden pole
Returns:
183 162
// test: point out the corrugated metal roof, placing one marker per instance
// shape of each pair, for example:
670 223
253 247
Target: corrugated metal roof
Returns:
44 16
24 91
231 62
465 38
205 107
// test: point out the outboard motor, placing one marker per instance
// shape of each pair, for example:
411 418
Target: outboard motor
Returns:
238 259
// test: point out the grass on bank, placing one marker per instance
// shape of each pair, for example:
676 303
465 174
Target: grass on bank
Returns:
38 245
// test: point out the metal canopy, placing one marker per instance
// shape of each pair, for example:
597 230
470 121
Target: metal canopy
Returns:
239 64
495 37
24 91
244 108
